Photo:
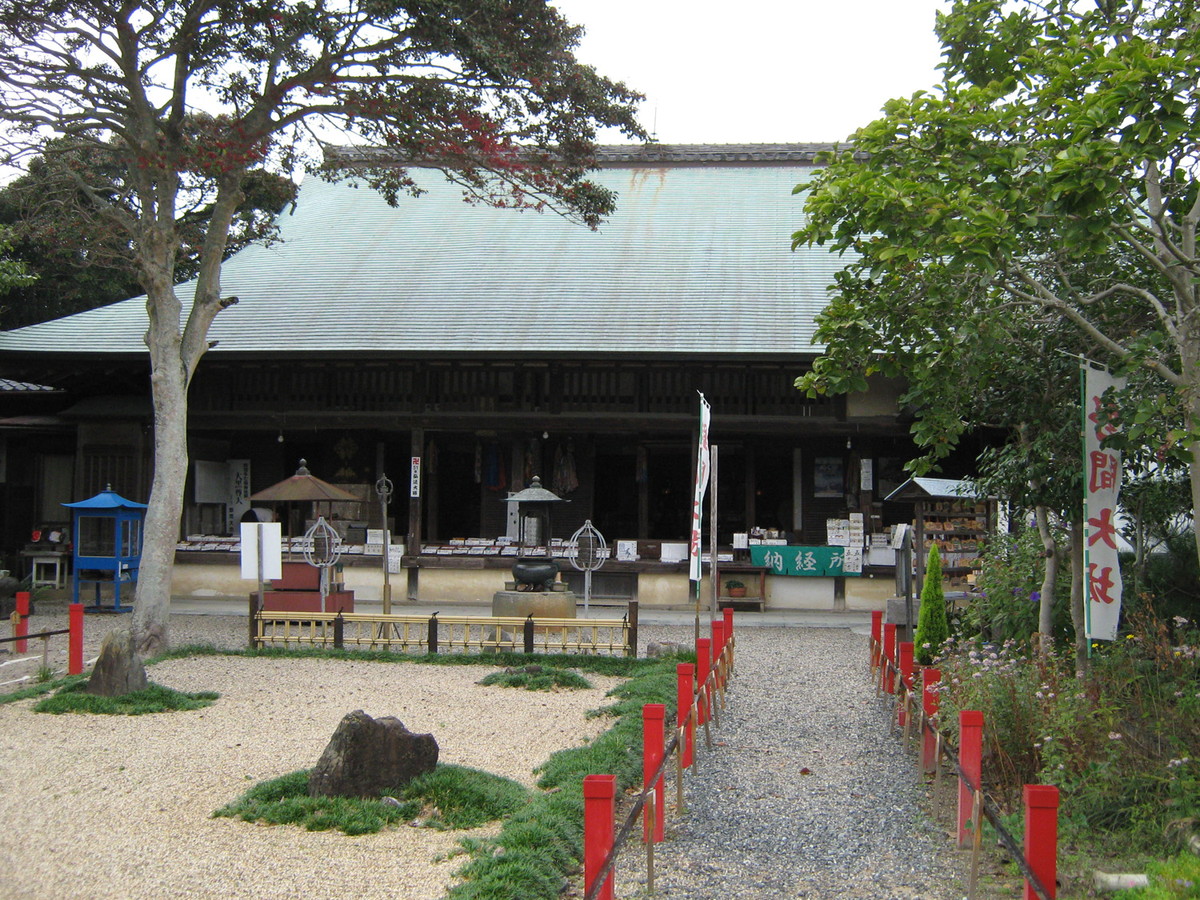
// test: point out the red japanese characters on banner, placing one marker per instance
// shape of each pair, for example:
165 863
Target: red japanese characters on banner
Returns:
701 485
1102 485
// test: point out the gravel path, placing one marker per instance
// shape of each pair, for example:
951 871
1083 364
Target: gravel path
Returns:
757 827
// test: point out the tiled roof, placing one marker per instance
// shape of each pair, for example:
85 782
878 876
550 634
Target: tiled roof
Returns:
24 387
696 260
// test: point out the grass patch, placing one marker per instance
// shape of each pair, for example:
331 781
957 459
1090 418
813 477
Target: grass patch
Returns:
153 699
1170 879
537 678
41 690
451 797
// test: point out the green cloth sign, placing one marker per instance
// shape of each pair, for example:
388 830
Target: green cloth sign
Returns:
792 560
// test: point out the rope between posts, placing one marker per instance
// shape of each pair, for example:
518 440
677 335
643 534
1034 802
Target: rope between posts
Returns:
944 747
712 685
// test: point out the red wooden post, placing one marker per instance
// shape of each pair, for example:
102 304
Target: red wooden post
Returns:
703 666
685 673
906 676
599 792
886 661
876 636
970 759
718 647
75 639
21 625
653 722
929 699
1041 836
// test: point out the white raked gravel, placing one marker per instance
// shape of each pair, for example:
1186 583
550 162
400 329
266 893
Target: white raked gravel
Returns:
121 806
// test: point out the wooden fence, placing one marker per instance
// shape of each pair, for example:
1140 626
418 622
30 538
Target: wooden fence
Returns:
445 634
700 699
895 675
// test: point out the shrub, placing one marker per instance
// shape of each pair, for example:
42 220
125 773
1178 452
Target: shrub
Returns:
933 628
1122 741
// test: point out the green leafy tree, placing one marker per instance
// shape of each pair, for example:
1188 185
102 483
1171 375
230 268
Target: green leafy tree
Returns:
186 97
1051 171
933 626
79 261
13 272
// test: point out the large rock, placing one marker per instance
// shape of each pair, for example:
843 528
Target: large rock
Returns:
119 668
367 756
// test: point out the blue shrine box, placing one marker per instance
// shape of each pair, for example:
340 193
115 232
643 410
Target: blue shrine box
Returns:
108 543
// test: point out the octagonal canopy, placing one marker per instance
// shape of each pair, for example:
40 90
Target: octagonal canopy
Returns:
106 499
303 486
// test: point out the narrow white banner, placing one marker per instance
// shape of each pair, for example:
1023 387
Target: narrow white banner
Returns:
702 466
1101 487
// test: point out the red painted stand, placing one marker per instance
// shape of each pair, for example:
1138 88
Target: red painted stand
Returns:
1041 836
876 636
887 677
21 625
599 804
75 639
703 667
929 700
653 741
970 758
685 674
906 677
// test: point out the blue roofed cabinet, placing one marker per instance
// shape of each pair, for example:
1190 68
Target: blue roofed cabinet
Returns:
108 544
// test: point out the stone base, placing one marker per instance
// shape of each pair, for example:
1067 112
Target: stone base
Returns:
897 614
539 604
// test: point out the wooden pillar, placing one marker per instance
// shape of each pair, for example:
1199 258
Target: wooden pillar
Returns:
751 506
643 489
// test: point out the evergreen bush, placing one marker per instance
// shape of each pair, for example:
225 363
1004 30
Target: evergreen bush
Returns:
933 628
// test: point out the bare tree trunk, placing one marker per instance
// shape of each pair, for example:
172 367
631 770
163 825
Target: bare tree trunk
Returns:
1078 598
1049 580
168 385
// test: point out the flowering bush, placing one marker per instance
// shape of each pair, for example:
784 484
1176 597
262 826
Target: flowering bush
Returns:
1122 742
1009 590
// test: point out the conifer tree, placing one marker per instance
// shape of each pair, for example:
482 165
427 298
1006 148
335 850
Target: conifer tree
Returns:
933 628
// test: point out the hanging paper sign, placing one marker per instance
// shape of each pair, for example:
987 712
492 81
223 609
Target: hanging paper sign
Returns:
1101 486
414 478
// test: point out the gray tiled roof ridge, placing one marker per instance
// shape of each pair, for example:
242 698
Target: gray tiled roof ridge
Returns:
649 152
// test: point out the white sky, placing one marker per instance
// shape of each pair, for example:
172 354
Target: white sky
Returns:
760 71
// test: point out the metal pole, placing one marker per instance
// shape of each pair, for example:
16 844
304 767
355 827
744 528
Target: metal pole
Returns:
383 487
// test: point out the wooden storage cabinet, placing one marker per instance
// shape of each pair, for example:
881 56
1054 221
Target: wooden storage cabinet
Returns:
958 528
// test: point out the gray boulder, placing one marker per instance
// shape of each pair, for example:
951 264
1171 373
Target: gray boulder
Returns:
367 756
119 668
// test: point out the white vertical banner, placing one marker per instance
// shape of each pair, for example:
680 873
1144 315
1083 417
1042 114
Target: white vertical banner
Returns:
1101 487
701 486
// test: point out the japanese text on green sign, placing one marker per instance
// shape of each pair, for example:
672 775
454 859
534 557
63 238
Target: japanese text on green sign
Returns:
812 561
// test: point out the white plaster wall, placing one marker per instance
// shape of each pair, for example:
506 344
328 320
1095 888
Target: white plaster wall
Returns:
791 592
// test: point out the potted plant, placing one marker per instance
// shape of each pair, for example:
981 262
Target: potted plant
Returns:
735 588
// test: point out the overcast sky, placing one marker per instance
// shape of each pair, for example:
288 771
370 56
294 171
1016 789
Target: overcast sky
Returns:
760 71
